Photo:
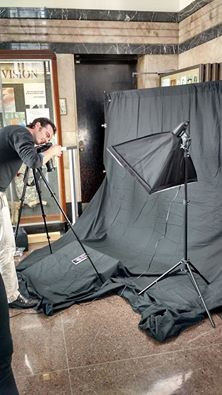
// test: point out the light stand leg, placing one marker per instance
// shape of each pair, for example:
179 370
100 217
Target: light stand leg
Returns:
197 271
68 221
25 180
200 295
42 209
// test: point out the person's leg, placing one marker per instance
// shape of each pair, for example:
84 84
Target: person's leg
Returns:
7 251
7 264
7 381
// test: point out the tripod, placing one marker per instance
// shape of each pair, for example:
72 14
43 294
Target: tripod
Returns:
187 266
37 173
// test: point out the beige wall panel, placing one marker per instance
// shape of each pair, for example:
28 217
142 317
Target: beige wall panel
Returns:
88 24
154 64
87 39
88 31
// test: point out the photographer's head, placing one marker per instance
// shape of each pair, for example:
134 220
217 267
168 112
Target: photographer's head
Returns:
42 130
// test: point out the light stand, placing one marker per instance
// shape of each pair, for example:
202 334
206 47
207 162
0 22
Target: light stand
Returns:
35 183
175 168
37 173
185 262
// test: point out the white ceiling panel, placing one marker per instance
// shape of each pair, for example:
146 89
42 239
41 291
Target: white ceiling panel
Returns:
137 5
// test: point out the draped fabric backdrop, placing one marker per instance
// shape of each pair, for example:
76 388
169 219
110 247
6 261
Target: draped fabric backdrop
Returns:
132 236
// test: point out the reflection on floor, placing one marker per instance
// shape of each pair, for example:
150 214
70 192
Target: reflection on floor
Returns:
97 348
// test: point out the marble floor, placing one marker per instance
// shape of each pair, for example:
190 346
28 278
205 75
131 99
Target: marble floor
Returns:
97 348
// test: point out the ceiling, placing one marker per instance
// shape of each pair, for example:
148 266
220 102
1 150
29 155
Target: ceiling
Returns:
134 5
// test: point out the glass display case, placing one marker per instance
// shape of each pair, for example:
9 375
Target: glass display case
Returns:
29 90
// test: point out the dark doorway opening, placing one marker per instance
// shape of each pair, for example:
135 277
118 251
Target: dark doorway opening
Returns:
95 76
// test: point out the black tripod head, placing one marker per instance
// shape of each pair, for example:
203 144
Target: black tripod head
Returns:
44 147
182 132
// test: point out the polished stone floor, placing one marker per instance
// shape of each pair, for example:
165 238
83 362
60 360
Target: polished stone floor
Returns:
97 348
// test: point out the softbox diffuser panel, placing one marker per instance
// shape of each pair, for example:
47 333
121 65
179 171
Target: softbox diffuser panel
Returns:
157 161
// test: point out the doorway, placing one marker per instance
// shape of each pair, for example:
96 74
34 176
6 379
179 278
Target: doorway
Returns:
95 76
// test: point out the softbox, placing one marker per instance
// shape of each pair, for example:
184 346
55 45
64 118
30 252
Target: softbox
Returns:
157 161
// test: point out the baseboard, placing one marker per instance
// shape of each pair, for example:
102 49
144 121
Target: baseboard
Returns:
42 237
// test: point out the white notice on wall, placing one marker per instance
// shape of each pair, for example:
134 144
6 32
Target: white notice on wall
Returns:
34 94
165 82
34 113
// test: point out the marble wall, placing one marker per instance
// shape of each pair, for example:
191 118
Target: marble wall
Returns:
199 23
149 68
67 90
109 31
90 32
199 42
210 52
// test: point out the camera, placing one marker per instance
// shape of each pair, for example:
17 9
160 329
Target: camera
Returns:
44 147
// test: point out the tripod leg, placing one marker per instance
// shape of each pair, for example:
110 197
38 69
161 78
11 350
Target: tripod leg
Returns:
161 277
197 271
42 209
22 201
200 295
68 221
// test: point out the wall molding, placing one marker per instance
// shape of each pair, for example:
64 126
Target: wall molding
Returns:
100 15
103 49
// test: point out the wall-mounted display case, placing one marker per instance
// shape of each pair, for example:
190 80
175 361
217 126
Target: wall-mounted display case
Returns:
29 90
188 75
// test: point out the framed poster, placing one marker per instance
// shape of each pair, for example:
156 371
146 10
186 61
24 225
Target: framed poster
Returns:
29 86
63 106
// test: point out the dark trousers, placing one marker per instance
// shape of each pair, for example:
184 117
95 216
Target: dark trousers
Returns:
7 381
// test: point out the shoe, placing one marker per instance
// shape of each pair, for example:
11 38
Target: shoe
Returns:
23 303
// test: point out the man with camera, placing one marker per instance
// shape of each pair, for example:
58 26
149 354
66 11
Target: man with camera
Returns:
17 146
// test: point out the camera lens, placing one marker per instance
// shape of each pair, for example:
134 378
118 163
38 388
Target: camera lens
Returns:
41 148
50 165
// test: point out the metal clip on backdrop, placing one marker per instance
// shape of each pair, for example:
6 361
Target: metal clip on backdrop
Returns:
172 167
37 173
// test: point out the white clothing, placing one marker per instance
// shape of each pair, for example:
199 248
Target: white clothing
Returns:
7 251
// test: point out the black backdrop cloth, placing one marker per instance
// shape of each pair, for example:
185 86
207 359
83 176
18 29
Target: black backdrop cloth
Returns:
131 236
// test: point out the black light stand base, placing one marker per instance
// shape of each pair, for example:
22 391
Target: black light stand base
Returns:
188 266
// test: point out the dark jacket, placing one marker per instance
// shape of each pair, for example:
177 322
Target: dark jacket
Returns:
16 146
